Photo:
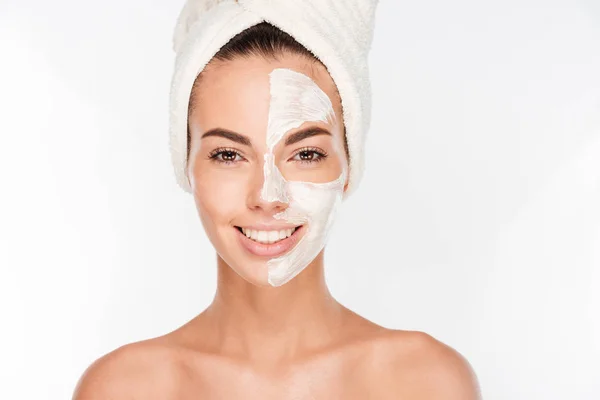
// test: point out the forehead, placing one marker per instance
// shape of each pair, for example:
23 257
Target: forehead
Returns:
236 94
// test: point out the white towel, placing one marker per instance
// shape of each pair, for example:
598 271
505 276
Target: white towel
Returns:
337 32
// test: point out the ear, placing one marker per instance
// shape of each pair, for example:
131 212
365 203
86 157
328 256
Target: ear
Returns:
346 184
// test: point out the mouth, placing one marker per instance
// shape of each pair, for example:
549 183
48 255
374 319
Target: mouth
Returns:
267 237
269 243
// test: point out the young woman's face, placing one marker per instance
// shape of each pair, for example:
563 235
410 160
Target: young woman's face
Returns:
267 164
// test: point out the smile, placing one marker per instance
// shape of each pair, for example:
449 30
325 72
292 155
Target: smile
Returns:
267 237
269 243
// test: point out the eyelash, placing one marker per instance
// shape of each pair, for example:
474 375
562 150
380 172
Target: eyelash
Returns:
216 155
314 150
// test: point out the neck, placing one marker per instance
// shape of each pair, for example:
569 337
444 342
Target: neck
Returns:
273 323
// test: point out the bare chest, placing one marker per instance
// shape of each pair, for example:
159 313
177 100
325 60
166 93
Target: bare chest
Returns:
327 380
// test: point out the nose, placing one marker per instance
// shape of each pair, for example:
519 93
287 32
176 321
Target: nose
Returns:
269 206
267 195
257 203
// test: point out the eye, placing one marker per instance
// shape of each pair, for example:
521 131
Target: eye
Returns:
309 155
226 156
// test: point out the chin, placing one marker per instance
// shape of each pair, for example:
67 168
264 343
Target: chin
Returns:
252 271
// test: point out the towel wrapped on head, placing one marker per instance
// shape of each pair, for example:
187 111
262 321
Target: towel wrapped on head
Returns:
337 32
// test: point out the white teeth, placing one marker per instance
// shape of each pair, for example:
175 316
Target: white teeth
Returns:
273 236
263 236
268 237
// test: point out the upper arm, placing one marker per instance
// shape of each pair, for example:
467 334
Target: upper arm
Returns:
452 375
127 373
427 369
106 378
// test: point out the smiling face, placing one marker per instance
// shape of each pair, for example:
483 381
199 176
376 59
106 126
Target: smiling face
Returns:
267 164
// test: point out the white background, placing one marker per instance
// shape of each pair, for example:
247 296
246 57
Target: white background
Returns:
478 220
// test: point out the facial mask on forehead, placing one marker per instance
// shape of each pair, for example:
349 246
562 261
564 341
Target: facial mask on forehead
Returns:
296 99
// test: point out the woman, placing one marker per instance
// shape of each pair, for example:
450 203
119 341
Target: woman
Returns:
268 159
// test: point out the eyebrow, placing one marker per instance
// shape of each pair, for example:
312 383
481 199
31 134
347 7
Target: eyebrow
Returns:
224 133
304 134
244 140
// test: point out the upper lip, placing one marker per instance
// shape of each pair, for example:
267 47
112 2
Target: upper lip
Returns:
268 227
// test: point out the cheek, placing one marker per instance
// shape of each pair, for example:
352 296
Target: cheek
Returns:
218 195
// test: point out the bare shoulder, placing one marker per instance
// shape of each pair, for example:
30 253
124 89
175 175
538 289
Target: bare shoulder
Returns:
422 367
144 370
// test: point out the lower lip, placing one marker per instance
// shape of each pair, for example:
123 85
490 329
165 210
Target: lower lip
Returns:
273 249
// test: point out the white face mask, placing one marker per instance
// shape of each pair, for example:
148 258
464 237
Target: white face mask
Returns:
296 99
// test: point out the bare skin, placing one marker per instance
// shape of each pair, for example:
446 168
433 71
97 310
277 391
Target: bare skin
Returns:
256 341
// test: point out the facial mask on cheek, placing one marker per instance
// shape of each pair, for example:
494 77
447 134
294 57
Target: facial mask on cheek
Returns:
296 99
